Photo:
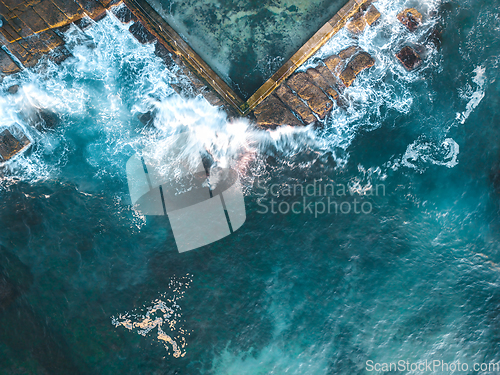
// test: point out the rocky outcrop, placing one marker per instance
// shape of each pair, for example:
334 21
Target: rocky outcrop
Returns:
355 66
322 83
312 94
30 29
409 58
272 113
12 144
295 104
363 18
7 65
411 18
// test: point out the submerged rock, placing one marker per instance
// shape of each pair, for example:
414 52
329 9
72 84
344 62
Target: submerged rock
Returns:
272 113
295 104
11 144
411 18
357 64
409 58
13 89
312 94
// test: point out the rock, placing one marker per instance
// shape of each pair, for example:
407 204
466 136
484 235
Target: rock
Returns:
411 18
50 13
372 15
272 113
7 65
347 53
358 63
322 83
409 58
11 145
357 24
141 33
50 119
315 98
124 14
13 89
435 38
334 64
295 104
328 76
147 118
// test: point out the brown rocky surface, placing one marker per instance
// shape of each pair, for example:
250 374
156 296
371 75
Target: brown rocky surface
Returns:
357 24
348 52
295 104
409 58
51 14
334 64
272 113
372 15
328 76
10 145
322 83
7 65
411 18
357 64
312 94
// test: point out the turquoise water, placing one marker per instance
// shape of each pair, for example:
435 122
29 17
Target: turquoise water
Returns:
246 42
415 279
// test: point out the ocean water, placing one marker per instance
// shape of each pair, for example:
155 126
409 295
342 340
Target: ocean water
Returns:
100 289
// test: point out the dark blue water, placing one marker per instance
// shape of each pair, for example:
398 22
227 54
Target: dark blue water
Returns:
415 279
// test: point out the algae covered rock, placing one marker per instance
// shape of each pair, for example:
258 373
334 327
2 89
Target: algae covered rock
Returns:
409 58
411 18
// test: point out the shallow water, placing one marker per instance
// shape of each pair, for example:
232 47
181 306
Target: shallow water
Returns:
246 42
415 279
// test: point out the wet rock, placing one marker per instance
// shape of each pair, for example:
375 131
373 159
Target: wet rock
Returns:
328 76
334 64
124 14
11 144
59 54
366 16
411 18
7 65
147 118
295 104
272 113
141 33
347 53
13 89
409 58
357 64
315 98
372 15
434 38
357 24
322 83
49 119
